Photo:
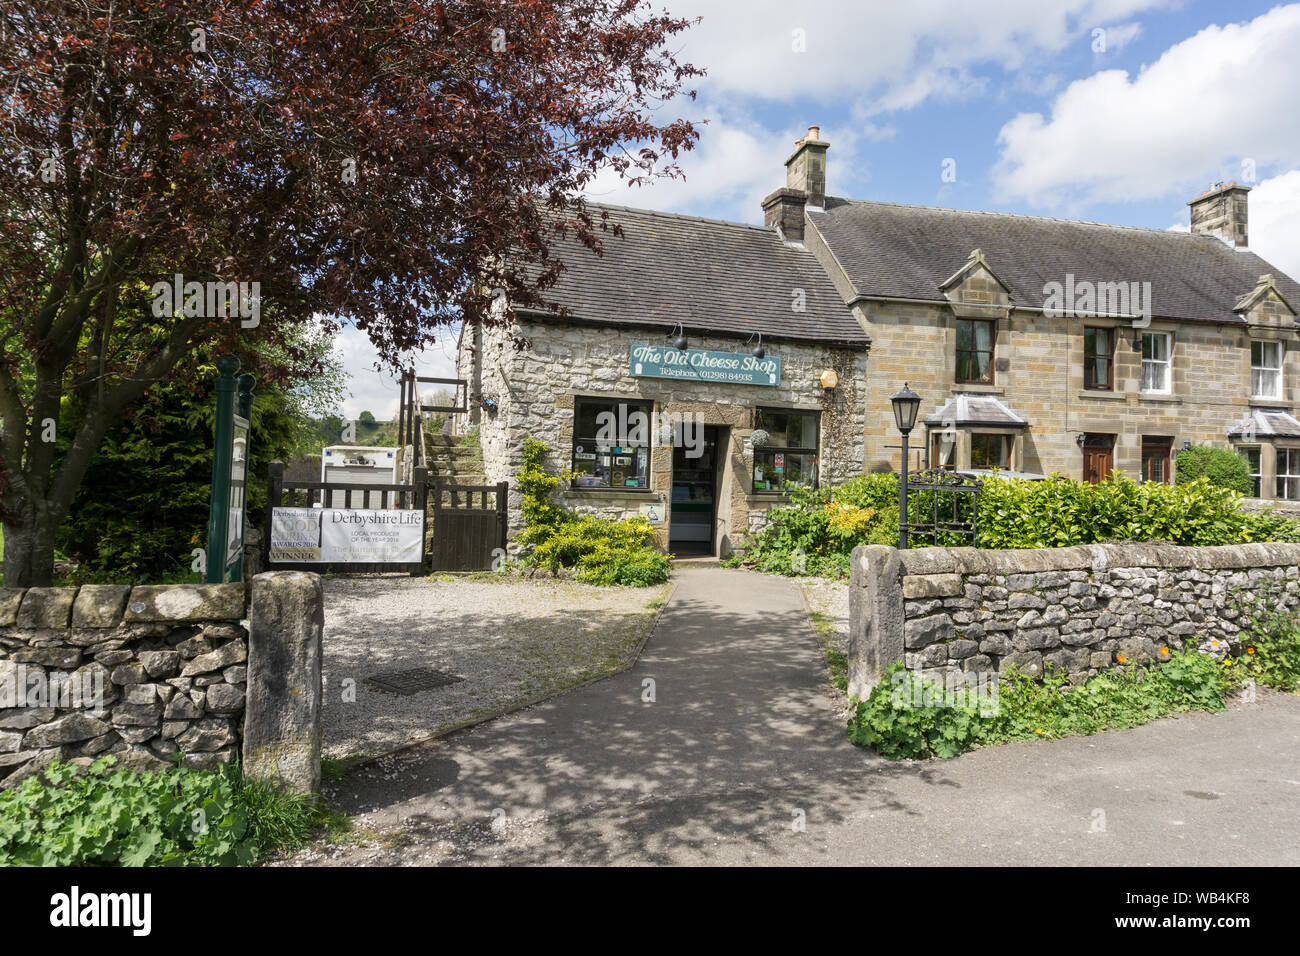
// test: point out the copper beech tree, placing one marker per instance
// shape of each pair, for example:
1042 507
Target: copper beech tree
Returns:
176 175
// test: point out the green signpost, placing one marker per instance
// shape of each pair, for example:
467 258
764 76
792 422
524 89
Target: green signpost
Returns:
226 519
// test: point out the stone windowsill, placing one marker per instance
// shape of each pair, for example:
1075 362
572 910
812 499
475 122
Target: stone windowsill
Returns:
974 389
608 492
1278 403
1103 394
1156 397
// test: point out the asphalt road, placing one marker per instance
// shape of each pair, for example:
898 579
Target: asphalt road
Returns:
735 754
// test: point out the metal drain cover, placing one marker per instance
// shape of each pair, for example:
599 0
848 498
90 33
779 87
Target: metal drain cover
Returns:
411 681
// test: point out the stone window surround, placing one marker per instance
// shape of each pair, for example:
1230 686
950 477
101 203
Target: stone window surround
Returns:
1281 368
962 452
1268 457
1171 338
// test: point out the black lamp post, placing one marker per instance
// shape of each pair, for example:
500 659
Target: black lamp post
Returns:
906 404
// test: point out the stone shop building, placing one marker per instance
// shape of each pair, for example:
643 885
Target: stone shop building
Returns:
1037 345
702 366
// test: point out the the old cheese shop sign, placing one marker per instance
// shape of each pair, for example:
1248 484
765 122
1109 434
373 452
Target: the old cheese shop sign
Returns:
704 365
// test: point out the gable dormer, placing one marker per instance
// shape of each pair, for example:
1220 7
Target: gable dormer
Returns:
975 291
1265 306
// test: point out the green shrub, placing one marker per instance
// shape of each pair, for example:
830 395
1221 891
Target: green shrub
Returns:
599 551
114 817
817 529
944 724
1270 641
1222 467
891 723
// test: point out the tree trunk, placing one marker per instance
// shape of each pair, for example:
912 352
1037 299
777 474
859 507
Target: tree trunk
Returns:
29 549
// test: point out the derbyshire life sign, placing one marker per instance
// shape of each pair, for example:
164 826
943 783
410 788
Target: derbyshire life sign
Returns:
703 365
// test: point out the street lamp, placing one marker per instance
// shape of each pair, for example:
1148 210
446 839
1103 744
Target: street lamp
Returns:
906 405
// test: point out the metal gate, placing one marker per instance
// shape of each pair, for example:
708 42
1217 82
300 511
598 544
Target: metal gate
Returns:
468 531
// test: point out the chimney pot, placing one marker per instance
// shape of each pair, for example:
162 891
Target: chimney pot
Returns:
814 132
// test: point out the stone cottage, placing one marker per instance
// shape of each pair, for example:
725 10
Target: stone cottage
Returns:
700 365
687 339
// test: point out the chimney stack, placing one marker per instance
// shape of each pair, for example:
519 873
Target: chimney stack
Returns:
805 186
1220 211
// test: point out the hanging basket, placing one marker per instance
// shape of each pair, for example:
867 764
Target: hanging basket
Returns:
759 438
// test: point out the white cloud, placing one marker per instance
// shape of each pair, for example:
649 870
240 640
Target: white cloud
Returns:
379 392
1274 212
1210 103
735 164
885 55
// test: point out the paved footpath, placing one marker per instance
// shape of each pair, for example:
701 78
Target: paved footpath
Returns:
740 757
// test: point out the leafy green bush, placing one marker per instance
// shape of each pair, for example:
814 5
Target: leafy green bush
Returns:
1221 467
108 816
944 724
816 530
1270 641
890 722
599 551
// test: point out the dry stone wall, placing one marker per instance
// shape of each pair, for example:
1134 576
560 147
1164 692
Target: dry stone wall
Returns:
960 613
143 673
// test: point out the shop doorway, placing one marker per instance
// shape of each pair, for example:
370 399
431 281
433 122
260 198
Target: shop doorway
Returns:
694 503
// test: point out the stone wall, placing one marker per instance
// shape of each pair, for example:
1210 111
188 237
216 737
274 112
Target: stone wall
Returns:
535 388
149 672
948 612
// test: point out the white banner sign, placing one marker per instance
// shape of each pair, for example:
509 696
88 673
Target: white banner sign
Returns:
346 536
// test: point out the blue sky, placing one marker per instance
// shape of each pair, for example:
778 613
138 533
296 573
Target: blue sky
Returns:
1038 112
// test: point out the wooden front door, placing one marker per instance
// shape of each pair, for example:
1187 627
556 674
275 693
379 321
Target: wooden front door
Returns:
1098 459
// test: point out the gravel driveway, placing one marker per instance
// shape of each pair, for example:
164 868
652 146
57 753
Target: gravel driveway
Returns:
510 640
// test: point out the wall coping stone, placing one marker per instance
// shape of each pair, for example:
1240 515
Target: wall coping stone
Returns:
46 607
99 605
196 602
1097 557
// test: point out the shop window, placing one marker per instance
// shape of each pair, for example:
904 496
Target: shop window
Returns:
1155 362
1098 358
1252 456
611 444
1288 473
790 455
990 450
1155 459
975 351
1266 369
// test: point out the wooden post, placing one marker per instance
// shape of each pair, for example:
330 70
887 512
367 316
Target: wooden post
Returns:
503 511
420 479
274 488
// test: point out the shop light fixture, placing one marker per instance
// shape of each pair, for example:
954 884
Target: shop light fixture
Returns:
758 351
680 342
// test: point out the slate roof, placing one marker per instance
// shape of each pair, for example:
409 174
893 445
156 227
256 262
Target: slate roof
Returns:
714 276
899 251
962 410
1265 425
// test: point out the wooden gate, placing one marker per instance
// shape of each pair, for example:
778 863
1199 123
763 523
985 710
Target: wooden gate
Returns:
468 531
